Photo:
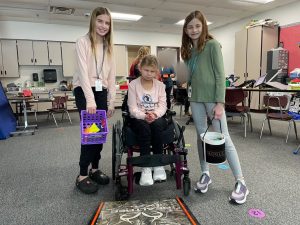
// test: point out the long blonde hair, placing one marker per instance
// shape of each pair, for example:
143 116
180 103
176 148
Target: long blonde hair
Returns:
142 52
92 31
186 44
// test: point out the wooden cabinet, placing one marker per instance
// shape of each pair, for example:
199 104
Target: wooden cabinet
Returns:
39 53
69 61
54 53
32 52
8 59
121 60
251 46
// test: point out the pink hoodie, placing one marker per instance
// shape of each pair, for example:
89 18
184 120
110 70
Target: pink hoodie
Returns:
141 101
86 74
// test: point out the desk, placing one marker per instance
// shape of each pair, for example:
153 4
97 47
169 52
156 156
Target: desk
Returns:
269 90
260 90
26 128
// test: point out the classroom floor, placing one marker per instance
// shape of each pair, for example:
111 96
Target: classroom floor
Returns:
38 177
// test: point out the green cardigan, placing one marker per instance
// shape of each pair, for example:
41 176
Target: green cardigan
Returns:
208 77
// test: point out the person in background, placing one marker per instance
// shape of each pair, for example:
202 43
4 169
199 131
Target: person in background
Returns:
147 105
203 56
167 73
186 101
134 71
94 88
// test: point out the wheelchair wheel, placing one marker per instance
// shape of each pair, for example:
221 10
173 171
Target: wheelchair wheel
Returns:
113 152
121 193
117 148
186 186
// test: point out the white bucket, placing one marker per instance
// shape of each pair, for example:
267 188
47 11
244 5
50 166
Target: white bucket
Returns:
213 147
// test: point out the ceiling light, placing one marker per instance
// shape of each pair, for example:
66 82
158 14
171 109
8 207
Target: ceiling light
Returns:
181 22
256 1
124 16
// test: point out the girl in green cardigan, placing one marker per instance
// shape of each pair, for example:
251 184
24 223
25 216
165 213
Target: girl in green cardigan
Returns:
202 54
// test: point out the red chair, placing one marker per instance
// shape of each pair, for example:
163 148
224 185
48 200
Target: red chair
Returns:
59 105
234 106
280 103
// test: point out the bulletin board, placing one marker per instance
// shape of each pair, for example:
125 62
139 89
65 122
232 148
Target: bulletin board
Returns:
290 36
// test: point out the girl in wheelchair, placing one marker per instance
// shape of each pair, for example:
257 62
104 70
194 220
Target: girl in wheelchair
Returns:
147 105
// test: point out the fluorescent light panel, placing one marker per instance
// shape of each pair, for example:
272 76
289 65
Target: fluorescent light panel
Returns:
125 16
256 1
181 22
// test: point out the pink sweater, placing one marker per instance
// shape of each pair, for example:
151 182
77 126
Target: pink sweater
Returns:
141 101
86 74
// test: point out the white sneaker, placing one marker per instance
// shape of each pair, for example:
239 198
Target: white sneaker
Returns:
159 173
146 177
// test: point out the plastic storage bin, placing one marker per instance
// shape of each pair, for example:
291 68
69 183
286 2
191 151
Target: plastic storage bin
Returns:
87 120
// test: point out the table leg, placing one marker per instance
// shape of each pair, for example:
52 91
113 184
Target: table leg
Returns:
25 114
26 126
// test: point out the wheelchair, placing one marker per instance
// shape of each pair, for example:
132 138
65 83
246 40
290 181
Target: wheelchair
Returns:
124 143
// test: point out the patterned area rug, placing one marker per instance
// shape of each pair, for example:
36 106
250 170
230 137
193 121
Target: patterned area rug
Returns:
167 212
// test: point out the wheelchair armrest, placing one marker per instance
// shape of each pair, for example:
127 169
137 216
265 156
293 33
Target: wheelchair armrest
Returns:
124 113
170 113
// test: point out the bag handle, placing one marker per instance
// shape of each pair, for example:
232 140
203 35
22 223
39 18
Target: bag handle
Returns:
210 123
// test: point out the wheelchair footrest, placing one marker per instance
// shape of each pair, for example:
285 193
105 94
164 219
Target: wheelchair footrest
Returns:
153 160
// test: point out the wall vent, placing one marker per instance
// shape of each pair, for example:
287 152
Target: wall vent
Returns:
61 10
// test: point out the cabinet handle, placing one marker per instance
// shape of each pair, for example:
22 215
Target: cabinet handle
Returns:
1 72
50 60
34 60
5 72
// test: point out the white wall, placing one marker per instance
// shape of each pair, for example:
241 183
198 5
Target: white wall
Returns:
53 32
39 31
226 35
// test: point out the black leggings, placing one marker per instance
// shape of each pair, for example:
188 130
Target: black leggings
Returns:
90 153
149 134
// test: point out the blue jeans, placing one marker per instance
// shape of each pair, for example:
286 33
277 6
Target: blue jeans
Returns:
200 112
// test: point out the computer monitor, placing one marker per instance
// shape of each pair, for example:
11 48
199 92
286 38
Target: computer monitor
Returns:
260 80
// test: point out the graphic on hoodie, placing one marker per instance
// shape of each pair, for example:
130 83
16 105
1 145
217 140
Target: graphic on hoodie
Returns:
148 103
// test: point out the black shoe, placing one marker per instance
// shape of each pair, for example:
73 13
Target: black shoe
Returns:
99 177
86 185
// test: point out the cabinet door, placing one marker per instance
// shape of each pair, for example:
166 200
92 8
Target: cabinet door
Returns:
54 53
254 53
240 53
10 58
120 55
269 41
69 61
40 53
25 52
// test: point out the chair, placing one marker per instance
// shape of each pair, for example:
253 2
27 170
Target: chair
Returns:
180 96
234 106
59 105
280 103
